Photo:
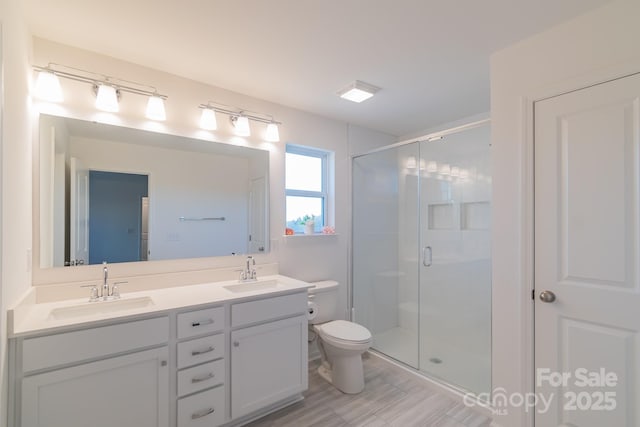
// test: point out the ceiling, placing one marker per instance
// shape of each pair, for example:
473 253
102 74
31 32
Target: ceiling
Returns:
430 57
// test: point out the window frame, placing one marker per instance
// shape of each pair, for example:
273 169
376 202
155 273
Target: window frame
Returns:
323 155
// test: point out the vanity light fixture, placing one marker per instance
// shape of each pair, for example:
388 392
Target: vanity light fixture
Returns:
155 109
241 123
48 87
272 134
208 119
107 98
239 118
358 91
107 89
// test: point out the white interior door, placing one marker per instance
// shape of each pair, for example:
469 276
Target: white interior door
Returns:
587 222
257 219
79 212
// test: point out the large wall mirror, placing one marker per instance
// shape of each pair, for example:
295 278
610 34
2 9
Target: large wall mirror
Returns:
117 194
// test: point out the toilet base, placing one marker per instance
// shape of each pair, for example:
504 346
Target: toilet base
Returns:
346 374
325 372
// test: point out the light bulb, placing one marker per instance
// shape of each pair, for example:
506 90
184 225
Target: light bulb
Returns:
272 133
208 119
155 109
107 99
48 87
411 162
242 126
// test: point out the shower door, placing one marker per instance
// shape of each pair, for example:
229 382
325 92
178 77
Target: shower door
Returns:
385 248
421 260
455 271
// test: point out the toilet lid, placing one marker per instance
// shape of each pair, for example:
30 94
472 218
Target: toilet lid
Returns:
347 331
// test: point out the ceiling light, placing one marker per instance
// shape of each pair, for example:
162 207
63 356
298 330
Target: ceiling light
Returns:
358 91
272 133
48 87
208 119
432 167
107 99
241 123
155 109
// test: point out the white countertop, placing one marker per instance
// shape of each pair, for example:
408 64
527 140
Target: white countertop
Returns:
31 318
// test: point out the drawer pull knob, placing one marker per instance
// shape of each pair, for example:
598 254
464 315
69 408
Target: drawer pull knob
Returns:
202 413
202 378
236 344
199 352
202 323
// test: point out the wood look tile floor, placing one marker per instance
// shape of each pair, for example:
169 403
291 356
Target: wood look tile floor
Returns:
391 397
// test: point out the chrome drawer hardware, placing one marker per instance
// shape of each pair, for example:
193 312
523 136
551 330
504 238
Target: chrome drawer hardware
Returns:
203 378
202 413
202 323
199 352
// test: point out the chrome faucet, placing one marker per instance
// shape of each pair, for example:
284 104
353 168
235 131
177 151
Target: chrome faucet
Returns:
105 285
249 273
103 293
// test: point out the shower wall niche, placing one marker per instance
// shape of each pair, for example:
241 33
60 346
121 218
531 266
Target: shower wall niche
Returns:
422 255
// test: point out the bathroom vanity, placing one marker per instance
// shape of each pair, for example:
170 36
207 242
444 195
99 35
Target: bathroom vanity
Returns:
212 354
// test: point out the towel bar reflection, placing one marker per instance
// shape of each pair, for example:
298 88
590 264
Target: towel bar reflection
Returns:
217 218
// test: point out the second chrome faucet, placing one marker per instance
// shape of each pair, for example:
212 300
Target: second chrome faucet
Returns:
249 273
104 293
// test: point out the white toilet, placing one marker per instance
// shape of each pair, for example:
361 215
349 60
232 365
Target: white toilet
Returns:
341 343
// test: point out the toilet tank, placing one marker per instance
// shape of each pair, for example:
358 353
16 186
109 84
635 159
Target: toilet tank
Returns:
325 296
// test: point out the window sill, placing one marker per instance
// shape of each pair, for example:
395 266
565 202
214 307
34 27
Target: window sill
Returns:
309 235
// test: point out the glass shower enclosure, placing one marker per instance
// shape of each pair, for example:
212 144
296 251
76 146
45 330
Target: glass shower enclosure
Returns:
421 257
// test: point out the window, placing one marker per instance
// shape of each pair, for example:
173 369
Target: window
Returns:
306 183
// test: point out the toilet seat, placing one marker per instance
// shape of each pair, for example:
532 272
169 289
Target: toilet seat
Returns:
344 332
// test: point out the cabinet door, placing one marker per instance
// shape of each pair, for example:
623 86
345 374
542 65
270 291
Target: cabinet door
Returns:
268 364
124 391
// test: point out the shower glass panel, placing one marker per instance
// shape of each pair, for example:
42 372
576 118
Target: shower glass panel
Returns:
385 267
422 257
455 275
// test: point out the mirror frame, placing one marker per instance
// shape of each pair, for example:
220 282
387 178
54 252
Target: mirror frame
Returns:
58 275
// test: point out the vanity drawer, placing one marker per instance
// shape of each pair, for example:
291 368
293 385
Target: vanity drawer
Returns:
200 377
268 308
202 409
200 322
200 350
72 347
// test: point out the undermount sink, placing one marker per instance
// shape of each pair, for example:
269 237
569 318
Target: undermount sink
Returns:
254 286
100 307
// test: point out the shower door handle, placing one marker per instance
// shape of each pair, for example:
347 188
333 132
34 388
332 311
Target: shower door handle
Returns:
427 256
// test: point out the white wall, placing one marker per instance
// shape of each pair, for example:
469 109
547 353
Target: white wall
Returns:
16 171
310 258
595 47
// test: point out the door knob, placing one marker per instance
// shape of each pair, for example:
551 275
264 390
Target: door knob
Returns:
547 296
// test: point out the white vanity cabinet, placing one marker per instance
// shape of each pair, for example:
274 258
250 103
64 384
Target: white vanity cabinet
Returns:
268 358
201 368
64 385
221 363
